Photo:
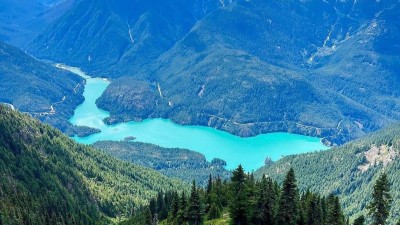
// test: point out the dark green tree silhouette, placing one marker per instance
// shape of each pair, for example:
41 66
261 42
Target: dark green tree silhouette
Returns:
237 203
379 207
289 213
194 210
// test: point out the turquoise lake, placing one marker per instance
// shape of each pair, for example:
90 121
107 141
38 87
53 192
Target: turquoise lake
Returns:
250 152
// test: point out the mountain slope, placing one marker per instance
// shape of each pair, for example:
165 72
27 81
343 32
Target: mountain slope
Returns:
348 171
48 178
21 21
321 68
104 36
37 88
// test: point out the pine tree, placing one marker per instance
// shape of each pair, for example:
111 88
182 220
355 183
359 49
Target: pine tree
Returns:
324 210
194 211
288 213
335 215
237 203
398 222
173 213
214 212
314 211
266 202
208 195
360 220
251 193
210 184
381 200
181 217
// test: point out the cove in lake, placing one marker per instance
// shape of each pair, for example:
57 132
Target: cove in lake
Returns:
250 152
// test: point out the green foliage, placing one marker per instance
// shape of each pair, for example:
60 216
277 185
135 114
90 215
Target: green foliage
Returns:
288 211
46 178
249 202
360 220
334 211
379 207
216 70
237 197
33 86
346 172
194 213
184 164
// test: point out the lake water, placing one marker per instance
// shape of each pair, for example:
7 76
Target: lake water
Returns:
250 152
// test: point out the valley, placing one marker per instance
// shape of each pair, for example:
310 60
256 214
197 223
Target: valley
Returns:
251 152
316 68
200 112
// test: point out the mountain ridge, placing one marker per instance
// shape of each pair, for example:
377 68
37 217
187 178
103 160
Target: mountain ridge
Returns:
227 54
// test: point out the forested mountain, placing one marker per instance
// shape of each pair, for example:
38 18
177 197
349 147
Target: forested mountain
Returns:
40 89
46 178
348 171
184 164
321 68
22 20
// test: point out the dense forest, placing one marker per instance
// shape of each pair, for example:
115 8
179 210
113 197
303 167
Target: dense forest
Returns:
348 171
38 88
179 163
245 200
49 179
46 178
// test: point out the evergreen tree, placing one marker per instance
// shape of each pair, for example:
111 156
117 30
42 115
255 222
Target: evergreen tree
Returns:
237 202
194 211
251 192
335 215
181 217
381 200
324 210
288 213
360 220
215 212
314 211
173 213
266 202
398 222
210 184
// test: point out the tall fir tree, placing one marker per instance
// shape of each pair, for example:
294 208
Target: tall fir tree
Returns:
379 207
314 211
173 213
237 202
194 209
266 202
181 217
289 213
335 214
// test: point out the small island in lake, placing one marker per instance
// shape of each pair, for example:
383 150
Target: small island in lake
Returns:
129 138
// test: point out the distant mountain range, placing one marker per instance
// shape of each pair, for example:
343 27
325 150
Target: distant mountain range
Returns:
23 20
322 68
